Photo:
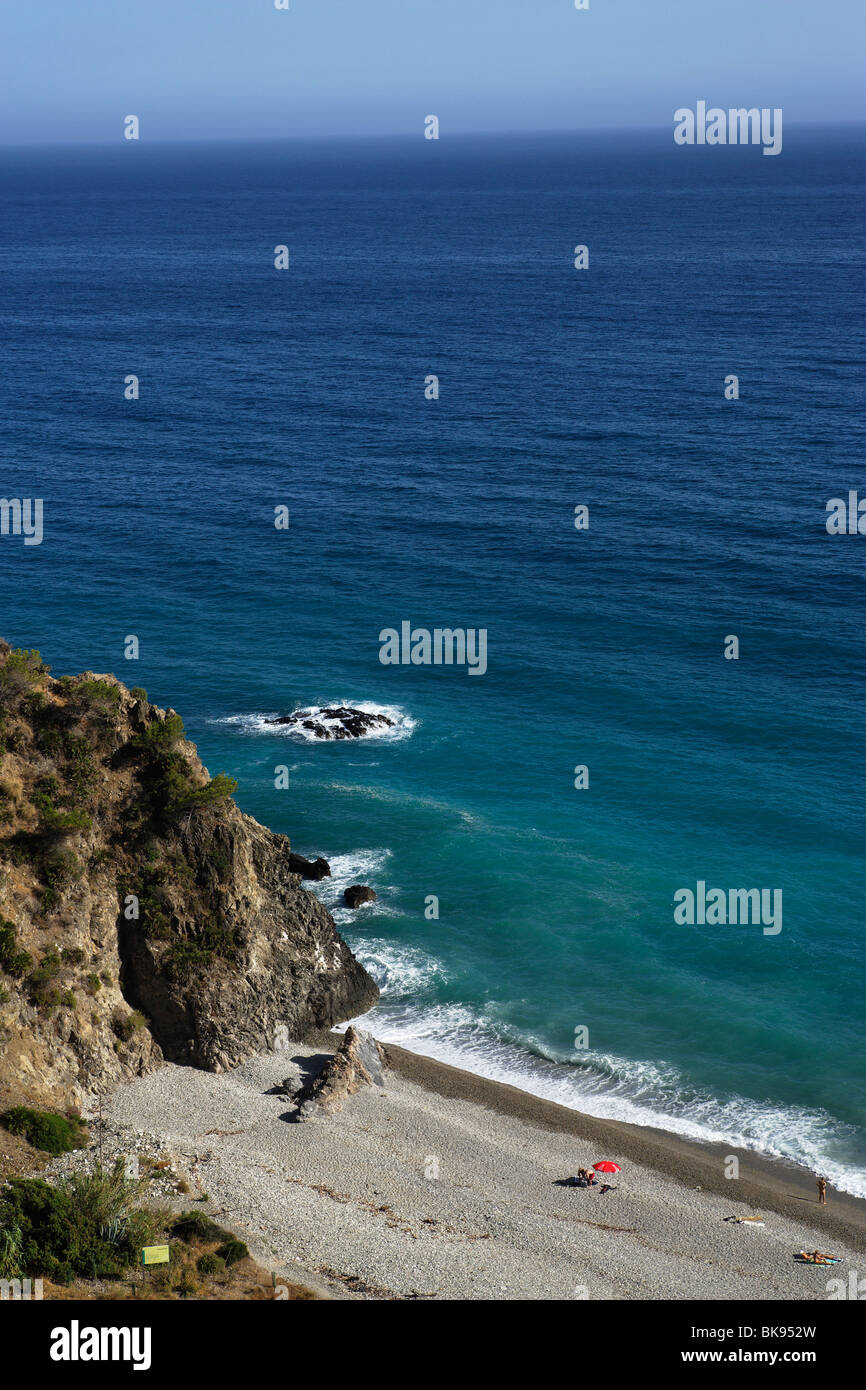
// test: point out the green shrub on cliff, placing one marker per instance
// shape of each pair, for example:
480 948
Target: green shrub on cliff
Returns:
20 673
178 793
160 735
147 888
81 771
99 695
40 982
172 784
219 788
59 870
53 1134
96 701
54 821
13 961
125 1026
169 775
71 752
57 819
155 920
213 939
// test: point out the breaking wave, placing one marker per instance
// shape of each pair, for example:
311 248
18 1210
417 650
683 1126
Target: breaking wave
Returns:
402 725
603 1085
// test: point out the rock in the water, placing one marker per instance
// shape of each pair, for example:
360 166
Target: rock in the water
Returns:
338 721
315 869
358 894
359 1061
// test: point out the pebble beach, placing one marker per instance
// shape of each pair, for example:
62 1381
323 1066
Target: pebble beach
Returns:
446 1186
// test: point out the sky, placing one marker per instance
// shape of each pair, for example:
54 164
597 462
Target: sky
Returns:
71 70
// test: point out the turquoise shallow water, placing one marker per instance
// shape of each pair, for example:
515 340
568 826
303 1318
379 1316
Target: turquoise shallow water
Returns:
605 647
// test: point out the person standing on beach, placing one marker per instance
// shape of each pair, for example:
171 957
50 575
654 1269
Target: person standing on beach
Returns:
822 1191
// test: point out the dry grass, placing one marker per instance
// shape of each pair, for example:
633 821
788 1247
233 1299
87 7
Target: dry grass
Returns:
244 1281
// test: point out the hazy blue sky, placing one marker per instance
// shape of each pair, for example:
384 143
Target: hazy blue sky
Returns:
190 69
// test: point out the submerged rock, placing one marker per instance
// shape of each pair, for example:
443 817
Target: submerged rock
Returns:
338 721
357 895
359 1061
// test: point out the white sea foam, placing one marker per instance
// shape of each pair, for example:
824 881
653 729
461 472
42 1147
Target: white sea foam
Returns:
402 724
366 866
603 1085
400 971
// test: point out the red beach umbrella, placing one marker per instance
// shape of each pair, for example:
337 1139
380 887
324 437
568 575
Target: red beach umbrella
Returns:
607 1167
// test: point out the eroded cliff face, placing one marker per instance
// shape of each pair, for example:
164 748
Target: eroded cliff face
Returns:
143 914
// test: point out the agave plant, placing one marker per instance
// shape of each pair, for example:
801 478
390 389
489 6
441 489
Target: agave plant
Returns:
116 1230
109 1202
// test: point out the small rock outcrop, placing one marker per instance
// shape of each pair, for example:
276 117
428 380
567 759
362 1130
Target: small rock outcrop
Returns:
338 721
357 895
359 1061
315 869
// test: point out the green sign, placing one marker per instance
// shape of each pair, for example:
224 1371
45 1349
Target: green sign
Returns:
154 1255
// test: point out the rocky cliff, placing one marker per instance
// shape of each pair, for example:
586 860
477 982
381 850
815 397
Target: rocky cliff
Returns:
142 914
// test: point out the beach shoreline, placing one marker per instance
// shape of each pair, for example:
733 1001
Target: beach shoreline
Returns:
443 1185
765 1181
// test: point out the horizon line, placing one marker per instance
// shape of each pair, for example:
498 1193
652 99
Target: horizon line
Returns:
333 137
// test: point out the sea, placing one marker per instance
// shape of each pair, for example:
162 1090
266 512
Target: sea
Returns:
524 926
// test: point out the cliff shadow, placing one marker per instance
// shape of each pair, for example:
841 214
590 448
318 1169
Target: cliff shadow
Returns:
171 1024
306 1069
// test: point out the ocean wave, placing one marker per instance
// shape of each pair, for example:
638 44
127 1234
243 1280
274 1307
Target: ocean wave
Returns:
401 972
644 1093
402 725
367 866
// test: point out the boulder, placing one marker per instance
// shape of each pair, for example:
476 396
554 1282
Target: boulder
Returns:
315 869
359 1061
357 895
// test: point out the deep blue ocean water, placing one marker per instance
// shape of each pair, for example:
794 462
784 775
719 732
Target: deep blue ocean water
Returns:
558 387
